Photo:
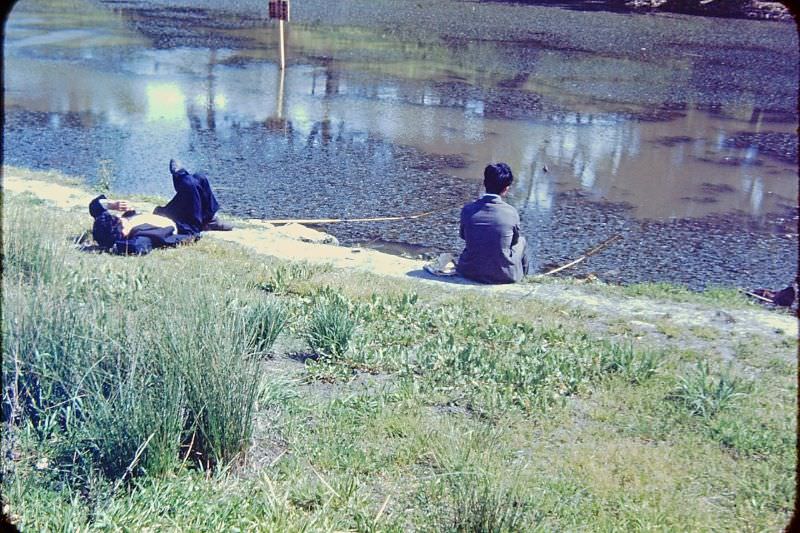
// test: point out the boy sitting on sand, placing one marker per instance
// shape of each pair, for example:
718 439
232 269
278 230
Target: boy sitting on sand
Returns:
495 252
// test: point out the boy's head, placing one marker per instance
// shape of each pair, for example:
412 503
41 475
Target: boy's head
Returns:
497 178
107 229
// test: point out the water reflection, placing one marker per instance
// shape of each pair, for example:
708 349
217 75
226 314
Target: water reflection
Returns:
654 166
393 128
165 103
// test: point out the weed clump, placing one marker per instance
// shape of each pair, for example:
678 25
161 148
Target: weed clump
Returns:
635 366
471 489
285 279
705 395
330 328
264 322
503 365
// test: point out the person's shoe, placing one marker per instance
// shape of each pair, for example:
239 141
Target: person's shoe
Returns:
175 167
216 225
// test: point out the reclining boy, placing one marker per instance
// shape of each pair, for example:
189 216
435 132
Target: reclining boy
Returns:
192 210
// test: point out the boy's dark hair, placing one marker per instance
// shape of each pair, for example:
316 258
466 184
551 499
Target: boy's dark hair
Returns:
107 229
497 177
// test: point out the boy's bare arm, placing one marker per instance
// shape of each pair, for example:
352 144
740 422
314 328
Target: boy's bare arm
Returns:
118 205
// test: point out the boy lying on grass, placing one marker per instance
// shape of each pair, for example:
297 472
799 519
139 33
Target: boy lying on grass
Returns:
192 210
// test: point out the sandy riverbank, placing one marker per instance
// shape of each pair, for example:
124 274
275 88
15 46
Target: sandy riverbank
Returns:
298 243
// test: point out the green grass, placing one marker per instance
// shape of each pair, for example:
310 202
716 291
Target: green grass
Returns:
712 295
264 321
330 327
705 394
165 392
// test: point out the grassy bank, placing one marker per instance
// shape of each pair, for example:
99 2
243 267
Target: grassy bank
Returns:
209 388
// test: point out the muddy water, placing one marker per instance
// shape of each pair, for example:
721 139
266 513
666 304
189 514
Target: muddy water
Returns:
695 168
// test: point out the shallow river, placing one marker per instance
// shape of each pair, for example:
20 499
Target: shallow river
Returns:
676 132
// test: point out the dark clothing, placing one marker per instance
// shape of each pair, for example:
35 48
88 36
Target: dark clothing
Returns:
495 252
142 238
145 237
193 205
145 240
193 200
96 208
785 297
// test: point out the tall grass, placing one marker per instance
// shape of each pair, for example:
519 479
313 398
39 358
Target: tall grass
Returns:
213 349
124 367
264 322
32 247
472 490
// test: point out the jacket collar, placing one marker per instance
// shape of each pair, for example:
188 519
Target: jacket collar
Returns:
491 198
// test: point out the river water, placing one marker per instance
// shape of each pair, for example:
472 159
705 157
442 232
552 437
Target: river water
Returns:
676 132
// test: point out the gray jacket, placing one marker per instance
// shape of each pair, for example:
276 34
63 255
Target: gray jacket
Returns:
495 250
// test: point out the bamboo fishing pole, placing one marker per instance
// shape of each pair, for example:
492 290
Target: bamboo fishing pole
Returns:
366 219
592 251
756 296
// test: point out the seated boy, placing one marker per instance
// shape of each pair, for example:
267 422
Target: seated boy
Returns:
495 252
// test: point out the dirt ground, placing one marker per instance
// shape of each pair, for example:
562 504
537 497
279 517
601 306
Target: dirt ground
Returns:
644 316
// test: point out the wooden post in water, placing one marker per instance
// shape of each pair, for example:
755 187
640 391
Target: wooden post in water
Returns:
279 9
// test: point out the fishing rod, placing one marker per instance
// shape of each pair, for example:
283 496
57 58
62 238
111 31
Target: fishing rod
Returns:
365 219
614 238
592 251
